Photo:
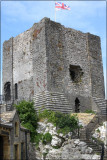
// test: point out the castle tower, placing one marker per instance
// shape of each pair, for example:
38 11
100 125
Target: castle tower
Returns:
59 68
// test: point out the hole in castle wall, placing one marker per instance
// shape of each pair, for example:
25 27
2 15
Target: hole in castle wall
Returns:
75 73
72 74
77 105
7 91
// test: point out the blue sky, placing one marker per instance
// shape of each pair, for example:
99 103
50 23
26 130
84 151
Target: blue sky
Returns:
86 16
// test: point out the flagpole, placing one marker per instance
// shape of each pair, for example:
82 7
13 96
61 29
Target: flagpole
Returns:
55 14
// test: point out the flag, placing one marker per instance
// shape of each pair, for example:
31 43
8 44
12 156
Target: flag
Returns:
60 5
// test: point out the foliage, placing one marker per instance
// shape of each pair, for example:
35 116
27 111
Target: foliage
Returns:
65 130
89 111
64 122
38 137
28 116
93 138
98 130
56 147
44 155
47 137
50 115
98 141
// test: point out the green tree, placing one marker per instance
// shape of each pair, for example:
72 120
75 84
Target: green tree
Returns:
28 116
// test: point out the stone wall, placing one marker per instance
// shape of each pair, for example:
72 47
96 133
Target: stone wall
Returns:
6 147
56 60
39 57
17 65
7 64
22 65
67 47
96 66
18 139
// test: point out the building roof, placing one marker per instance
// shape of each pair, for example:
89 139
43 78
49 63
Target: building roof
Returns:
6 118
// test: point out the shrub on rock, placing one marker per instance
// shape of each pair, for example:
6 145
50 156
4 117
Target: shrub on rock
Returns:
47 137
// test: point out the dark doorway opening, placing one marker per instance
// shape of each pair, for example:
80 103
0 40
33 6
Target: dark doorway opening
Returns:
7 91
22 151
1 148
77 105
16 151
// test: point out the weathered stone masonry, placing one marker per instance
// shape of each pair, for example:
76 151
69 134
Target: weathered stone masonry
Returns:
54 65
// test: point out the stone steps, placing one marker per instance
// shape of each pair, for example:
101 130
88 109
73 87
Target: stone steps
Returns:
96 149
102 104
52 100
105 155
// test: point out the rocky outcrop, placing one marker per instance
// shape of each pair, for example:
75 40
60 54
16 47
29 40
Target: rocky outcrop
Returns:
62 146
72 149
56 142
101 133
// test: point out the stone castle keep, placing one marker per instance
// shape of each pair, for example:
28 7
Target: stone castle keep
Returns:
59 68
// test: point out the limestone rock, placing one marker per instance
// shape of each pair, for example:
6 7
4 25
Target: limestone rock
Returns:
87 156
54 154
50 125
52 132
48 147
77 141
101 133
60 135
41 127
81 144
83 149
96 157
89 150
46 130
56 141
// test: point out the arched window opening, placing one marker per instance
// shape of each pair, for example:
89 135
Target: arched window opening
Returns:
16 91
7 91
77 105
16 129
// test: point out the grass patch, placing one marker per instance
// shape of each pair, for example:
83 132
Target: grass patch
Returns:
56 147
90 111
